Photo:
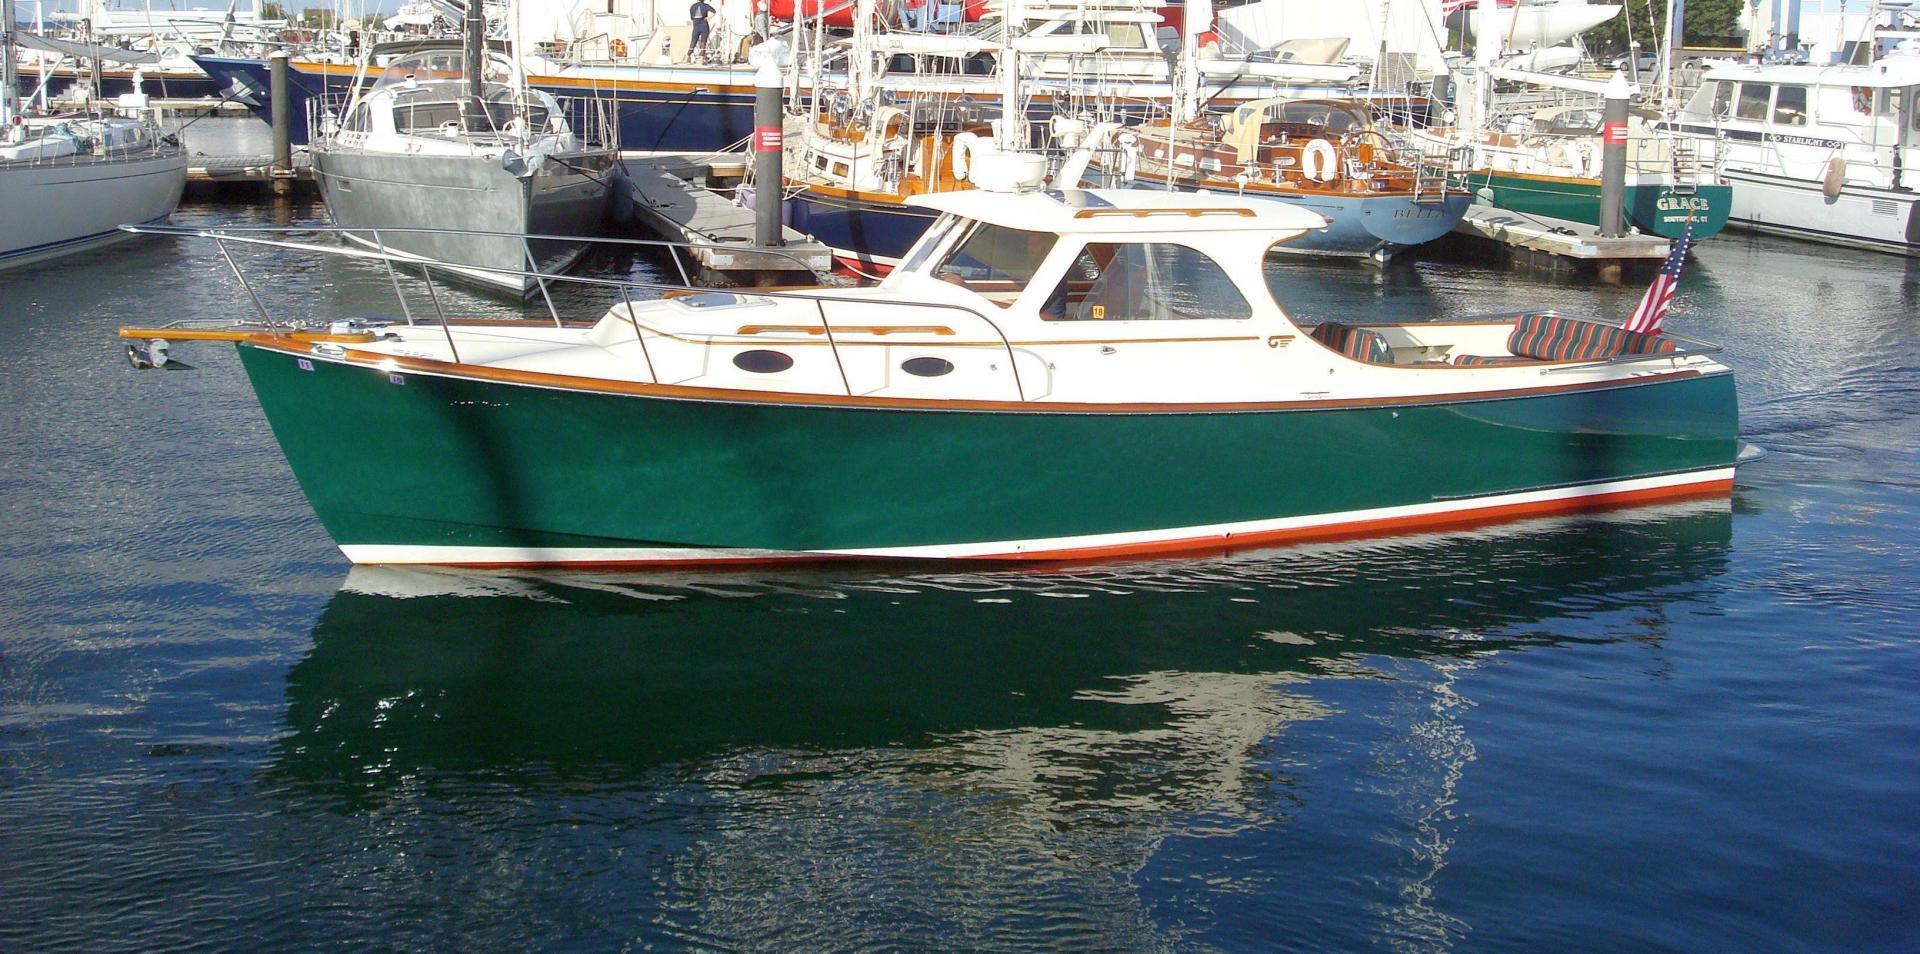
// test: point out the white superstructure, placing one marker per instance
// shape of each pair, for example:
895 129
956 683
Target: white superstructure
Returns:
1826 153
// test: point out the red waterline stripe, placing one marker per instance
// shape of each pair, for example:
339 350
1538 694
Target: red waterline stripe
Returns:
1213 543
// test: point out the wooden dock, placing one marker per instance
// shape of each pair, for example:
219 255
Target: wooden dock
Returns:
173 108
204 170
659 192
1539 240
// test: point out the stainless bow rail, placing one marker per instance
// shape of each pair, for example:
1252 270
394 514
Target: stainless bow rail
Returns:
272 237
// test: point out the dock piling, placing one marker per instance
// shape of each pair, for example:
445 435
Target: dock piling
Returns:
282 136
768 145
1613 159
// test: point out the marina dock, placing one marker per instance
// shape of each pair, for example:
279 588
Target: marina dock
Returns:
200 107
1543 242
665 194
247 169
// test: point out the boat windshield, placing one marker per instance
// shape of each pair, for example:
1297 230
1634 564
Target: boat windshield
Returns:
1315 117
437 66
996 261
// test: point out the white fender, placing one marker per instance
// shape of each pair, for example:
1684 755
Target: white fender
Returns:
962 150
1129 155
1318 162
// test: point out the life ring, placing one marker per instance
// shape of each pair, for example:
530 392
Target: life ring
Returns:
618 48
1129 155
1318 161
962 151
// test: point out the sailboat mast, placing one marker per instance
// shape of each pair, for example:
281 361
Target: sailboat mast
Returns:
8 107
474 50
515 40
1013 127
1185 81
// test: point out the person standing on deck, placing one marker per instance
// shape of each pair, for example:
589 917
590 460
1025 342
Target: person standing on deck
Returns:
698 14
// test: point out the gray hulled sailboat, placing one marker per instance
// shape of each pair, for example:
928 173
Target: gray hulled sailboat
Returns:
68 183
447 139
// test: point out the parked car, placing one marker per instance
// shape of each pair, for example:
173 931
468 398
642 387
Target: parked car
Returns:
1639 60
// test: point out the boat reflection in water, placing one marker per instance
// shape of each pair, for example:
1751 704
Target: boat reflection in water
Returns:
750 736
535 678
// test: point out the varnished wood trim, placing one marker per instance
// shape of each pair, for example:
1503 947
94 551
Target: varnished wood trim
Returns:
876 330
1144 213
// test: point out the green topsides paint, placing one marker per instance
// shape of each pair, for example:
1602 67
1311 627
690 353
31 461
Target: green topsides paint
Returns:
1661 210
413 459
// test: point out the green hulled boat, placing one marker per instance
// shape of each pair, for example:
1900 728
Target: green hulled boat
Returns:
1659 206
1046 376
1553 170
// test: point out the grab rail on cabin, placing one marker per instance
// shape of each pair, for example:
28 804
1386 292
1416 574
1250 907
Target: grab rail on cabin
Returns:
247 235
1149 213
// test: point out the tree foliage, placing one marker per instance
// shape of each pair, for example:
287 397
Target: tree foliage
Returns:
1709 23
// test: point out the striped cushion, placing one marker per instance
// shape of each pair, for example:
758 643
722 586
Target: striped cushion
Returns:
1360 344
1474 360
1554 338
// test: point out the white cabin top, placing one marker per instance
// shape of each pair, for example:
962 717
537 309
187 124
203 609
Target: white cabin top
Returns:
1166 215
1900 69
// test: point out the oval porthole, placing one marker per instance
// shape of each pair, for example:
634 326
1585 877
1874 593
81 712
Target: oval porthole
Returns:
762 362
927 367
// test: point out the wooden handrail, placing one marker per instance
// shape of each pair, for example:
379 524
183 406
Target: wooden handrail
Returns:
876 330
1143 213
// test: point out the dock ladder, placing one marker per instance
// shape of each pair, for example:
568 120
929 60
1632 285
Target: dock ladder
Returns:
1683 155
1432 176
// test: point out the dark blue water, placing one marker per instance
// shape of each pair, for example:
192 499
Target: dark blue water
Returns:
1692 727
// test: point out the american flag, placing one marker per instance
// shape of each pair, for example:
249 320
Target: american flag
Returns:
1646 319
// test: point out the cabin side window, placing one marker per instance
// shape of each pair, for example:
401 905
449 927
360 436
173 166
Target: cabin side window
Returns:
1144 281
1713 98
1894 103
1754 99
923 249
996 261
1790 106
1722 99
1126 36
425 117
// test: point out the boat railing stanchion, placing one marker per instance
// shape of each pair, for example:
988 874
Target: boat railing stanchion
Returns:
386 258
833 345
539 279
652 375
221 244
674 253
444 326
